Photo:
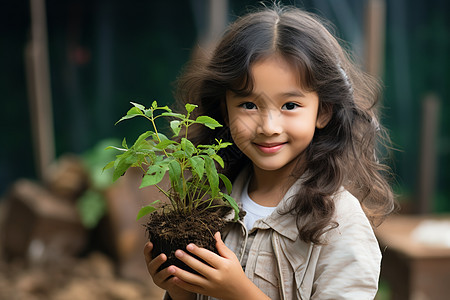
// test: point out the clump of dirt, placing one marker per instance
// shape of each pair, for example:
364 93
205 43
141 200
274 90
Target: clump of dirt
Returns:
170 231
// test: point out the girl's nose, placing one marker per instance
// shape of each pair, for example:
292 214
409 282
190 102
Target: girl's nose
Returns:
270 124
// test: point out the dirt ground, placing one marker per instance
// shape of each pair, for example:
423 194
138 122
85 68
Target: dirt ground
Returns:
90 277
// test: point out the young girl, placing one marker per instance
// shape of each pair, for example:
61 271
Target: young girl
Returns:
305 131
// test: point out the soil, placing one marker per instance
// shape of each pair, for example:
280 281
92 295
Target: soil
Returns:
171 231
89 278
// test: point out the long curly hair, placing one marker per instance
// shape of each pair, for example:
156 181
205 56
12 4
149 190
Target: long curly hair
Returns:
343 153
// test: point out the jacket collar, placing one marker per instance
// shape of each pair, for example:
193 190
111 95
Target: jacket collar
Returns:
283 224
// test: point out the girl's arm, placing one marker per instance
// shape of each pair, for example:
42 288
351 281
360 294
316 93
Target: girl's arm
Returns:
161 278
349 264
223 278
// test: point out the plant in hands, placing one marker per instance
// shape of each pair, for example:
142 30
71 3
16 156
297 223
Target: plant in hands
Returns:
194 191
193 174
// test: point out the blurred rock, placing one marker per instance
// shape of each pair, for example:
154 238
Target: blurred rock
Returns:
39 226
67 177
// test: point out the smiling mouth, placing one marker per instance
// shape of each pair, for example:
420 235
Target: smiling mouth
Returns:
269 148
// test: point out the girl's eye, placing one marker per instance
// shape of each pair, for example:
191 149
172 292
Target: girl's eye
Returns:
290 106
248 105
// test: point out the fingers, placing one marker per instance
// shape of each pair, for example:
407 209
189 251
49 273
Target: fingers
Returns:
148 252
206 255
189 281
184 279
191 261
220 245
223 250
181 282
153 264
165 278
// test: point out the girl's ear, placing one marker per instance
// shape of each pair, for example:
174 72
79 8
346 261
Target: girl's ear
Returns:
324 115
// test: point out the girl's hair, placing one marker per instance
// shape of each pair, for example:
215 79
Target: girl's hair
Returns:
343 153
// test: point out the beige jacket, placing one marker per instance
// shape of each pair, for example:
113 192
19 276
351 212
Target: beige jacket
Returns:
347 266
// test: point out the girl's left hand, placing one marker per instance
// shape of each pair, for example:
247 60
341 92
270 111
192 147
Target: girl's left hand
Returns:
223 278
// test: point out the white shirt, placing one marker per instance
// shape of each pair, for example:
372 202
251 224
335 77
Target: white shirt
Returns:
253 210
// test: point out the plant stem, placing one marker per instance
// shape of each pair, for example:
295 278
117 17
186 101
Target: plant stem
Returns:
199 202
152 119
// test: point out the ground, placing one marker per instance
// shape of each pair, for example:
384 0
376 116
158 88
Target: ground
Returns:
90 277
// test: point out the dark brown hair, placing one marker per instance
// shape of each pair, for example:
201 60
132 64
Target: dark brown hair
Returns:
343 153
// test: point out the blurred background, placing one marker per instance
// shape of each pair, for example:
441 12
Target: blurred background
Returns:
68 70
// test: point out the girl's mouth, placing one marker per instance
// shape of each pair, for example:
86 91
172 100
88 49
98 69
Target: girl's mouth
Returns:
270 148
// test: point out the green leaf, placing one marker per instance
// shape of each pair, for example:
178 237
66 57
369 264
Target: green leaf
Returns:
142 137
190 107
208 122
145 147
211 174
124 143
116 148
160 137
166 108
218 159
179 154
109 165
187 146
145 210
224 145
175 125
133 112
163 144
233 204
149 113
175 177
154 175
140 106
175 115
226 182
198 164
123 162
154 104
209 151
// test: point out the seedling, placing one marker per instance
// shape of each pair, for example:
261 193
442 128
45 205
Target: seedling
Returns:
194 179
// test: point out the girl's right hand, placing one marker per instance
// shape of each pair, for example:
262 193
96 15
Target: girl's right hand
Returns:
161 278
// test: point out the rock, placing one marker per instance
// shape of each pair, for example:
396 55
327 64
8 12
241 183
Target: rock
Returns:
39 226
67 178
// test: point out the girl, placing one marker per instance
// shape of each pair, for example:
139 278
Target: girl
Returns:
303 123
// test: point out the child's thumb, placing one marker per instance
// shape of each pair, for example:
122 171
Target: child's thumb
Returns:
218 238
220 246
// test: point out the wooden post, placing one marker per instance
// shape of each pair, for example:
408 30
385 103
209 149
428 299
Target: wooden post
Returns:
218 12
428 141
39 93
375 28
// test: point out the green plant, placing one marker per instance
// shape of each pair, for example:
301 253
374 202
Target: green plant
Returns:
92 204
194 179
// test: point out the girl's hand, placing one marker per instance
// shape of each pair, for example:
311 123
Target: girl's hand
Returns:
223 278
161 278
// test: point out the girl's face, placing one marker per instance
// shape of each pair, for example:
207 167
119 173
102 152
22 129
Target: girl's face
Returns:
275 123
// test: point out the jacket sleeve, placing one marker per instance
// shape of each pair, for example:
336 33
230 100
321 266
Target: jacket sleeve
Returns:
348 265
